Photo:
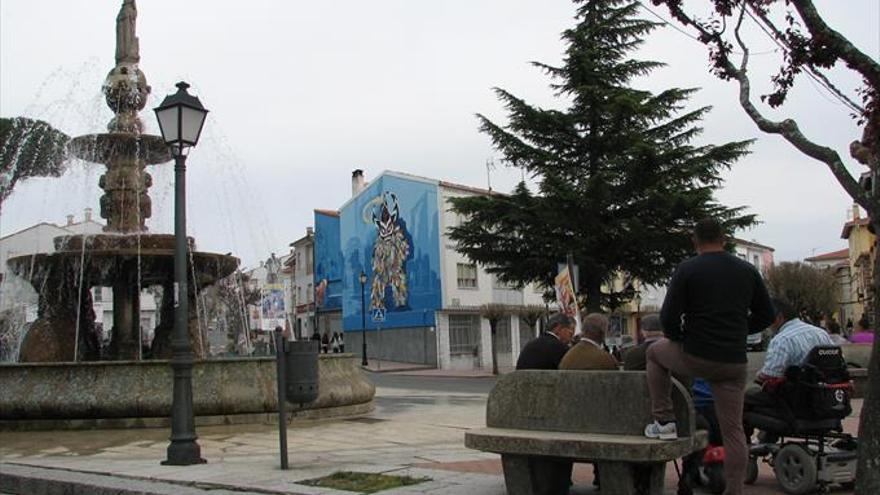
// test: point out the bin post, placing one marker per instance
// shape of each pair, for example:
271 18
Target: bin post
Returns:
281 373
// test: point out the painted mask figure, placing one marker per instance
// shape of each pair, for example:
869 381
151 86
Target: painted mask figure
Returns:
389 253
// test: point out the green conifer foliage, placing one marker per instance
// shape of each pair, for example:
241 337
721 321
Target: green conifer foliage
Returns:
619 180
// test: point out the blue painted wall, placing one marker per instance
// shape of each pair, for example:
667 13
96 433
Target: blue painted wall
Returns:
391 232
328 262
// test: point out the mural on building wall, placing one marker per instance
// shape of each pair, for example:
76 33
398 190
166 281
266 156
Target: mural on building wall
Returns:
328 262
391 251
391 234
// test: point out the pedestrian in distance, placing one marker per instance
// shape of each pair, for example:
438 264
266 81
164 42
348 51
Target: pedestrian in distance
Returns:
325 343
863 333
713 302
834 333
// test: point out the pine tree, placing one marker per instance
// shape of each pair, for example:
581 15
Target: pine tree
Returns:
619 182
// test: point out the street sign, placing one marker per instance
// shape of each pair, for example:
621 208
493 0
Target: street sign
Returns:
378 315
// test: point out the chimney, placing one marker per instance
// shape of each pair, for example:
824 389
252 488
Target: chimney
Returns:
855 212
88 214
357 182
310 231
69 219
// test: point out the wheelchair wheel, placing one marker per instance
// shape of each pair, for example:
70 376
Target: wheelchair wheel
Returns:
715 475
751 471
795 469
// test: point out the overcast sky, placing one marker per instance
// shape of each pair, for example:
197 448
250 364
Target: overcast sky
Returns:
302 93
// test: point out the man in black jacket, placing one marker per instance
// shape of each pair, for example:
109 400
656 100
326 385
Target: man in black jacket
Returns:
552 476
714 301
546 351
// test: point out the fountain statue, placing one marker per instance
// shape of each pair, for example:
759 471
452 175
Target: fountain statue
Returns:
126 257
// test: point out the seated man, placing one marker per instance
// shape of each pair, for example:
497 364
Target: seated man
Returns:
652 331
588 353
792 343
790 346
544 353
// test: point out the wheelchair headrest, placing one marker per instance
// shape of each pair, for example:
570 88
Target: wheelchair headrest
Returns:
828 361
826 357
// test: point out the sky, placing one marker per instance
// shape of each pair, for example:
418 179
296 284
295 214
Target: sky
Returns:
302 93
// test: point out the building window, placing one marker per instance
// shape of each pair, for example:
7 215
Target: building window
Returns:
309 294
498 284
98 294
464 334
467 276
299 295
756 260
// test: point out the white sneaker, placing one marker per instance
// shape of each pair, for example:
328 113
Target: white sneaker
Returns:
663 432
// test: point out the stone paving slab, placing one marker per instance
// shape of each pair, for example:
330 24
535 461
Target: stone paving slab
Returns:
418 440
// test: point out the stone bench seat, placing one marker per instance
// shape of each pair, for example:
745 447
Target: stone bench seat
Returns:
582 446
582 416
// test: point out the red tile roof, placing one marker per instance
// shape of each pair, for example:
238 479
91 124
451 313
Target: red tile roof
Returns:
834 255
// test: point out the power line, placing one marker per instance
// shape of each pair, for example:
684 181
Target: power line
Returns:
689 35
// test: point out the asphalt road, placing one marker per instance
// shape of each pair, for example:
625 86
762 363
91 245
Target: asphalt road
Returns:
435 384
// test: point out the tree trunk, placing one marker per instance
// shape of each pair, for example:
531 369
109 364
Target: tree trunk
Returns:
594 296
868 479
493 325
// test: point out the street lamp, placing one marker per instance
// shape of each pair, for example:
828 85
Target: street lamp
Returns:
181 117
363 279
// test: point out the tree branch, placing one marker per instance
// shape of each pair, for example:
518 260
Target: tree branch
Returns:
790 131
854 58
787 128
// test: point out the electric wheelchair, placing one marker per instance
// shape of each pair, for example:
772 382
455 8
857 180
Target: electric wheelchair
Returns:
801 434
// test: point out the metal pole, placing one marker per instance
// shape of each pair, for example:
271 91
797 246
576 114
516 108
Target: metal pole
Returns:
183 449
363 327
281 375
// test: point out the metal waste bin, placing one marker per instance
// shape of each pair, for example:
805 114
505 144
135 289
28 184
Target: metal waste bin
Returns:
301 366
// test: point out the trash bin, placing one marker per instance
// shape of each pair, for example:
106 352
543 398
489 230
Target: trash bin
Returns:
302 371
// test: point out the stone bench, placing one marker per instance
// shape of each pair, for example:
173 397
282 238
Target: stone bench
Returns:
582 416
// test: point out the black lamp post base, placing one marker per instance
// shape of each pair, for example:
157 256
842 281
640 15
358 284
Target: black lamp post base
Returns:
184 453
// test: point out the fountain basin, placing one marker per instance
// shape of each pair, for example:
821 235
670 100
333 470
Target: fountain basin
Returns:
138 393
107 147
154 265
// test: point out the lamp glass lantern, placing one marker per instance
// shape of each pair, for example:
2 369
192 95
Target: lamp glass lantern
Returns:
181 117
363 278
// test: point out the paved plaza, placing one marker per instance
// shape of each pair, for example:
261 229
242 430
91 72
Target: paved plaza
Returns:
417 429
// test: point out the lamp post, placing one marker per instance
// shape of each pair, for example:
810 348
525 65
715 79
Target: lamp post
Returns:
363 279
181 117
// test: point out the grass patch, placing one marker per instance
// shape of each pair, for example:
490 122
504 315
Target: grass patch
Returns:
363 482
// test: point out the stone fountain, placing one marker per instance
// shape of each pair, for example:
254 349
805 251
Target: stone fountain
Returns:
126 257
45 390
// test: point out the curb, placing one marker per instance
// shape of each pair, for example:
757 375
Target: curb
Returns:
24 479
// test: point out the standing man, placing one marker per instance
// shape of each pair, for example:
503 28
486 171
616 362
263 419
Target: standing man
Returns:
714 301
546 351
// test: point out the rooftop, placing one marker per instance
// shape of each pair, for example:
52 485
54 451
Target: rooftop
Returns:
832 256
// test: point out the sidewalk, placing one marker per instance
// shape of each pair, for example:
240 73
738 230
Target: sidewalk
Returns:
412 432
